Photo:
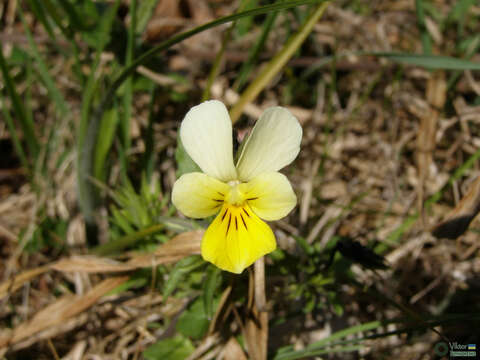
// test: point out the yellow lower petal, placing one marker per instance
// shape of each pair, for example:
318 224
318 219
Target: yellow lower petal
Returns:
236 239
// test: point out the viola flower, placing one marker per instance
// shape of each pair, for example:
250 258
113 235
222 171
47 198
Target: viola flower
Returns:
243 193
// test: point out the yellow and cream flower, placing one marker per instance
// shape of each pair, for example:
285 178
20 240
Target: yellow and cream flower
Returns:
243 193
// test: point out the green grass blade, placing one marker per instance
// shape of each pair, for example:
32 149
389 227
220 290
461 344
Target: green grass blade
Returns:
424 35
422 60
301 354
86 142
255 52
15 139
127 97
144 13
43 71
430 61
25 123
277 63
89 92
472 50
217 63
460 9
148 161
39 13
108 127
244 25
459 13
75 20
181 269
346 332
46 7
213 279
52 10
125 241
245 4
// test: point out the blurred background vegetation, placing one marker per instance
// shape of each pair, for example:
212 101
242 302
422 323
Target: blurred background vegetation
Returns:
98 264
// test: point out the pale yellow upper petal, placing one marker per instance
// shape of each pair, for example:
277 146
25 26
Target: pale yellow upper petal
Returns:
273 144
197 195
270 195
236 239
206 134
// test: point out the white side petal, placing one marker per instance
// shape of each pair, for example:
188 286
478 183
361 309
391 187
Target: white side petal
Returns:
206 134
273 144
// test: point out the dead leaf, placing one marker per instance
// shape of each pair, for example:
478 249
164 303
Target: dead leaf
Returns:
166 20
458 220
200 11
171 16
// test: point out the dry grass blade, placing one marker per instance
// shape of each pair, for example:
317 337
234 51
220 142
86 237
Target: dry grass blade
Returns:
177 248
220 309
205 348
91 264
51 332
436 95
182 245
58 312
256 327
259 276
185 244
14 284
458 220
233 351
256 334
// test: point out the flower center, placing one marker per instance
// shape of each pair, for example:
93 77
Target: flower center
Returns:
235 196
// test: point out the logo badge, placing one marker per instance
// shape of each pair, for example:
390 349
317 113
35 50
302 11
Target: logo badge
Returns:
441 348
